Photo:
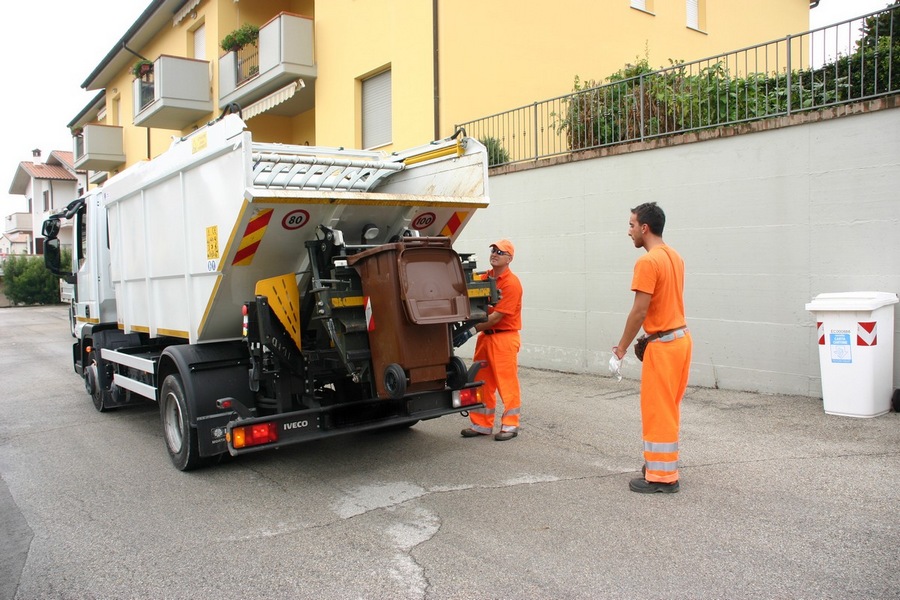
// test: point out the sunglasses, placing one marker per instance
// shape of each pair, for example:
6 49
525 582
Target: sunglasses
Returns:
500 252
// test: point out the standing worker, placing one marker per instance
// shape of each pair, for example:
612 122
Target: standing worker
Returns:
658 285
498 345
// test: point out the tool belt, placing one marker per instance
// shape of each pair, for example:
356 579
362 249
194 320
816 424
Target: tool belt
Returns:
641 344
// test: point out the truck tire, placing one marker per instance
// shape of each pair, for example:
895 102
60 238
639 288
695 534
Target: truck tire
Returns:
93 388
182 440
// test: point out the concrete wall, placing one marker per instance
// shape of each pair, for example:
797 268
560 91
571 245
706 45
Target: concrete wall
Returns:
764 220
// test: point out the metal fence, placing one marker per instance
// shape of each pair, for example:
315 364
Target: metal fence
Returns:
854 60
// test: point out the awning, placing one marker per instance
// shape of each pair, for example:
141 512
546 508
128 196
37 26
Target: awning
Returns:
272 100
185 11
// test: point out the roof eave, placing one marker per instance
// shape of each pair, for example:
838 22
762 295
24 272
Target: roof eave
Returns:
152 20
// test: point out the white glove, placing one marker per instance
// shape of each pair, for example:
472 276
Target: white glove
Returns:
615 367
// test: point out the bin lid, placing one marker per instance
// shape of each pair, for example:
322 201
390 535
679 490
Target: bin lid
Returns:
851 301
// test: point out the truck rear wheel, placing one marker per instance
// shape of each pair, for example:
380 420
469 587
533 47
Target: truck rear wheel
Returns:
181 438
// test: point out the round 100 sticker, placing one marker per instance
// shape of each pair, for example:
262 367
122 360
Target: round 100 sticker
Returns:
424 220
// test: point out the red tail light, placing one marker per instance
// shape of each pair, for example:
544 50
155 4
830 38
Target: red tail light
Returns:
254 435
465 397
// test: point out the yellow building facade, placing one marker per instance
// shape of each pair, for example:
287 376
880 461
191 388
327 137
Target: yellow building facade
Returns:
383 73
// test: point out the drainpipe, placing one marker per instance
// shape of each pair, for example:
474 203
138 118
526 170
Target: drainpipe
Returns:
435 70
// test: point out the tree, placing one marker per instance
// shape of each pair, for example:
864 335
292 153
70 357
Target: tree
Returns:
26 281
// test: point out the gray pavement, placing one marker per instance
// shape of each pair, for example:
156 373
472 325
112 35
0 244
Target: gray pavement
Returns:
778 500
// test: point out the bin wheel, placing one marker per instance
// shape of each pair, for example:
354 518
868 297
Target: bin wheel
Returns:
895 400
457 374
395 381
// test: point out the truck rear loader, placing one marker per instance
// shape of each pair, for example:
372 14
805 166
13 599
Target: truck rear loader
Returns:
269 294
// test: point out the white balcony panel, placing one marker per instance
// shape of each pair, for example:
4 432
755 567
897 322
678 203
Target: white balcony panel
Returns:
99 148
286 54
181 94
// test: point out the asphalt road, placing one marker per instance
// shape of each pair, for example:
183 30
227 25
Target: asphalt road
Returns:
778 500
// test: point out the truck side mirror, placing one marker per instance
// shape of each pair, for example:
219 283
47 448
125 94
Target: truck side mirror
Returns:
52 258
50 228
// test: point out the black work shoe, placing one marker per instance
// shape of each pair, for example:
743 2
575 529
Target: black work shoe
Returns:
470 433
642 486
505 435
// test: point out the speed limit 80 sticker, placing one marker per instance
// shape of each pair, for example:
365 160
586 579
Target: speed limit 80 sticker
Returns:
295 219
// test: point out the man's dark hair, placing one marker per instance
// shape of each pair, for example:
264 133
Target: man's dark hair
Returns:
651 215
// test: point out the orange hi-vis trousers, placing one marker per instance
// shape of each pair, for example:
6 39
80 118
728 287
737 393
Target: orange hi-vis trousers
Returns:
501 374
664 379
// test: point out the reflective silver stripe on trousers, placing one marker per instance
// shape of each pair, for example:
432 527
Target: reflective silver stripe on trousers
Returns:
514 411
483 411
660 446
664 467
480 429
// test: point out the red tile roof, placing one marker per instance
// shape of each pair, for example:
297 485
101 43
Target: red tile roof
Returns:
46 171
66 159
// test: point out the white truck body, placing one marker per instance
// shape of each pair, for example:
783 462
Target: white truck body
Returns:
193 230
231 281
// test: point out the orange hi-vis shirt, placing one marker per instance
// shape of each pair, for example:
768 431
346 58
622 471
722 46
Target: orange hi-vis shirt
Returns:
510 301
660 273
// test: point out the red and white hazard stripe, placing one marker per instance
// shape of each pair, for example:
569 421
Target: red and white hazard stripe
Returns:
820 332
867 333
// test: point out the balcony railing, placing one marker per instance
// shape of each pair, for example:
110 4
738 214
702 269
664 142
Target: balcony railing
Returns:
284 54
146 89
813 70
246 64
175 95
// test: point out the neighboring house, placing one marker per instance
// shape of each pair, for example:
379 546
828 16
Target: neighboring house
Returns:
16 235
47 187
381 73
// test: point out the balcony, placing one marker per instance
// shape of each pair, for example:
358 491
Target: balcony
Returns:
18 222
99 148
285 53
174 95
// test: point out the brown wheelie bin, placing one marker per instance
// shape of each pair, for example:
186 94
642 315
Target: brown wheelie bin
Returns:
414 288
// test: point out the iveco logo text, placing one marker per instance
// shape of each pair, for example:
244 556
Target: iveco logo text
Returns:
296 425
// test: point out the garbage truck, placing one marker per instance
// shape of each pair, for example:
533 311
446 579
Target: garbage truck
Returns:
269 294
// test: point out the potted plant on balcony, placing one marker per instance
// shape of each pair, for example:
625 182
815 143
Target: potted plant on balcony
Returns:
141 68
244 35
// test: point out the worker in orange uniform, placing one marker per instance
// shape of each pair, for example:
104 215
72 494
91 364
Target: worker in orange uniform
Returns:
658 285
498 345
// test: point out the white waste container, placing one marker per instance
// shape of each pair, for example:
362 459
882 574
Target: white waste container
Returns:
855 333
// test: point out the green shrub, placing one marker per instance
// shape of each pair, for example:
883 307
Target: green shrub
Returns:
244 35
637 102
26 281
497 154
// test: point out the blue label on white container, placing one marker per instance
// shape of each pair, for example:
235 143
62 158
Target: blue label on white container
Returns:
840 348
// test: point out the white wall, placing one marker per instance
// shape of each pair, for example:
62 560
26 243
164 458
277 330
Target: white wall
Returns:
764 221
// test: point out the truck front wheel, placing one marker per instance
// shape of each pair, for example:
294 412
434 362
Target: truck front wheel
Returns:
181 438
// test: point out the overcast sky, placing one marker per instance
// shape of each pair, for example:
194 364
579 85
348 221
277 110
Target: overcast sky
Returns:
59 42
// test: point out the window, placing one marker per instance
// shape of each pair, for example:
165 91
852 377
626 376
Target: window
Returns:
696 14
376 110
46 200
200 42
644 5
